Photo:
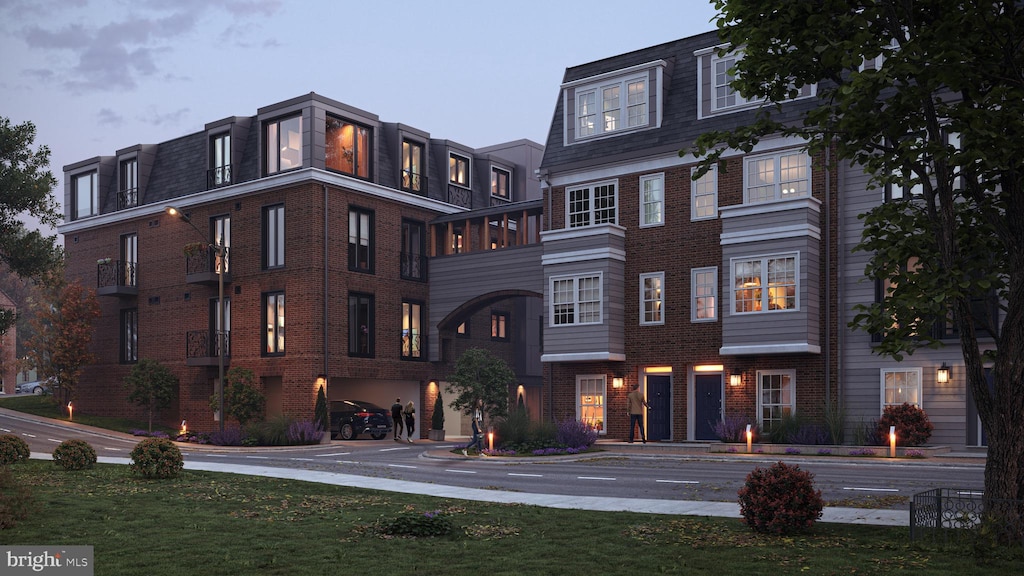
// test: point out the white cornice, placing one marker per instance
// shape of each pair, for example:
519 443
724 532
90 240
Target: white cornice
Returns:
583 357
615 73
792 348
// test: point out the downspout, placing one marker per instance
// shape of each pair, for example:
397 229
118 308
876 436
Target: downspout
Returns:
828 276
546 367
325 330
840 297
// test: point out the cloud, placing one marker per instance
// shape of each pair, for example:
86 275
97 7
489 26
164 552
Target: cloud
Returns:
108 117
172 118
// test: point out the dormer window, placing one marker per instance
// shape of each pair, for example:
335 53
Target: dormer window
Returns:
348 147
412 166
220 160
283 139
86 195
715 75
458 170
128 179
501 183
610 107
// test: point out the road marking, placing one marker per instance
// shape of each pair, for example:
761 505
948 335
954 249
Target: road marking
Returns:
109 448
29 435
303 459
393 449
461 471
348 462
216 455
593 478
5 429
401 466
858 489
259 457
528 475
962 493
678 481
335 454
54 440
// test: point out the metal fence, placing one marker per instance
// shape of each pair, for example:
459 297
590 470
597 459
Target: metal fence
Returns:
958 516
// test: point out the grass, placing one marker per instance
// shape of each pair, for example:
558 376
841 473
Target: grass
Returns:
46 406
210 523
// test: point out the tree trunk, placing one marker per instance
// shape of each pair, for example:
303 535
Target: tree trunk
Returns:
1004 473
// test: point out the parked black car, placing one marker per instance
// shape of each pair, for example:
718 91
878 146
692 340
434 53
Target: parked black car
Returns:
350 418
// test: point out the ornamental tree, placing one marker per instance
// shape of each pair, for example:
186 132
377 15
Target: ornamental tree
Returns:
927 97
151 385
480 375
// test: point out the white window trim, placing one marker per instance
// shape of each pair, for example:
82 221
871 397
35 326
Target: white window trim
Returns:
603 429
764 285
576 302
659 177
713 175
759 392
741 102
920 386
661 300
590 187
693 293
776 156
623 83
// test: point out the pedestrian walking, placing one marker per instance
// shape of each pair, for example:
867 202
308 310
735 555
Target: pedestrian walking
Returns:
478 426
396 418
635 404
410 420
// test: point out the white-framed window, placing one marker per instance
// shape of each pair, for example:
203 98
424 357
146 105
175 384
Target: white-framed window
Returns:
612 106
764 283
704 195
591 204
778 176
901 385
652 200
576 300
652 298
704 294
723 96
87 195
776 396
590 391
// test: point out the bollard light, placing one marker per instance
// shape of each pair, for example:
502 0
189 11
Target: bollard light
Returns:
490 440
70 409
892 441
750 439
184 427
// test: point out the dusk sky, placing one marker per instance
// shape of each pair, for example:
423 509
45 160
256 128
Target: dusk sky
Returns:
96 76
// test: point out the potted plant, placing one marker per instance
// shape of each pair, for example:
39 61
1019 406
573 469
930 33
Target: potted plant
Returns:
437 419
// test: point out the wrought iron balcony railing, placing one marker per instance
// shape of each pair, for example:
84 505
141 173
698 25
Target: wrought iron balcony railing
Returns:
116 278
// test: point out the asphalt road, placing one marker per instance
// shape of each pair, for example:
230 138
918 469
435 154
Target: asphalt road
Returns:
620 471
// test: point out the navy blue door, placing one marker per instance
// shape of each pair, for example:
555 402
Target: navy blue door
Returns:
707 408
659 397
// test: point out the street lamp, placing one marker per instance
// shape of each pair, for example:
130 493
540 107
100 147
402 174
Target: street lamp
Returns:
219 246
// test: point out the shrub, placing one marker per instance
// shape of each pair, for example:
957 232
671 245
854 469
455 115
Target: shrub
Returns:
732 429
227 437
74 455
273 432
12 449
575 434
514 429
304 432
422 524
811 434
780 499
437 417
15 499
865 433
782 429
835 421
157 458
912 425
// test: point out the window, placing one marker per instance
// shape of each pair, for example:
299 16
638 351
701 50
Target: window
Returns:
360 325
704 197
576 300
348 148
128 178
592 204
129 336
414 263
273 236
273 319
283 145
360 240
501 182
652 200
220 160
724 96
622 105
412 334
499 325
87 199
458 170
775 396
901 386
221 234
704 294
776 177
652 298
412 166
590 400
458 239
462 330
220 336
751 276
129 258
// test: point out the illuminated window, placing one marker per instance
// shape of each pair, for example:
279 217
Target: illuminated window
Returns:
348 147
575 300
776 177
767 283
501 182
590 410
776 396
704 294
412 332
412 166
499 325
458 170
283 145
273 319
611 107
652 298
901 387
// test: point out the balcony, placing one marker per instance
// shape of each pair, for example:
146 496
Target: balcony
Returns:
460 196
203 266
116 278
128 198
414 267
219 176
202 347
414 183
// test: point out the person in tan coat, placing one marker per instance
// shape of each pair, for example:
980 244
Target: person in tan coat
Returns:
635 404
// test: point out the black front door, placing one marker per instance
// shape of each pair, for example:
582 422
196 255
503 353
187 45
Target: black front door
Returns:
659 397
707 411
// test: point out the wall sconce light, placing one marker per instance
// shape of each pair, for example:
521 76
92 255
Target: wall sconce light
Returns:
321 381
942 376
736 380
617 382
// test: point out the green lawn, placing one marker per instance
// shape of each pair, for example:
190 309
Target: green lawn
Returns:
46 406
209 523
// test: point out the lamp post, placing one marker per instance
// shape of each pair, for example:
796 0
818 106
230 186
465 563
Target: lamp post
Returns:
219 246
